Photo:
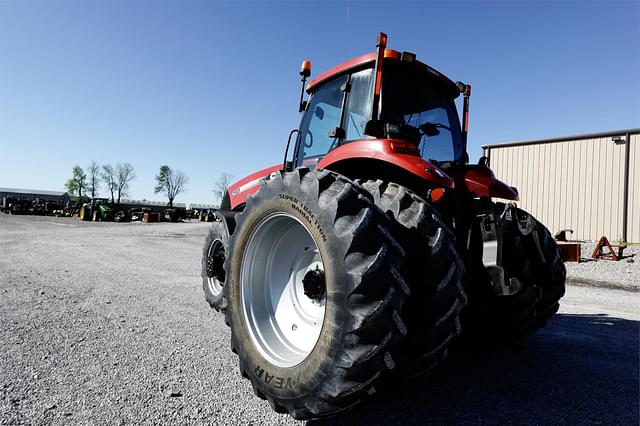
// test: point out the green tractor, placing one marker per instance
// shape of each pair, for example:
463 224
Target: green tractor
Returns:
97 209
207 215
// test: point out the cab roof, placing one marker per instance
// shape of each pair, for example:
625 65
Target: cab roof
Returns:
368 60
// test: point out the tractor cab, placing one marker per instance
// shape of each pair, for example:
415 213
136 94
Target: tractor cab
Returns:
396 98
99 202
383 113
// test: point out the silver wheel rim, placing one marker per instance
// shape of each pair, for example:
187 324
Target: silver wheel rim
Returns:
284 324
215 286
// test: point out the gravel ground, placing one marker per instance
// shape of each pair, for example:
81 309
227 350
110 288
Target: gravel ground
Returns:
623 274
104 323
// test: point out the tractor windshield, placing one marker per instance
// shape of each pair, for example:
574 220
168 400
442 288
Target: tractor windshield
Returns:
324 114
419 102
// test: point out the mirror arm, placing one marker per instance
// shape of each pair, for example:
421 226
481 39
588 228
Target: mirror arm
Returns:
285 166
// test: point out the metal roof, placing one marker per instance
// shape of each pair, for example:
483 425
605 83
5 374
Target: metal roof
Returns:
563 138
34 192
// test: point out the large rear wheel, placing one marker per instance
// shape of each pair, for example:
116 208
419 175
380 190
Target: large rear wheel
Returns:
315 293
84 213
433 271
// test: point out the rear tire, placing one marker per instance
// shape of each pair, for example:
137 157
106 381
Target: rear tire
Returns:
433 271
362 299
504 319
216 246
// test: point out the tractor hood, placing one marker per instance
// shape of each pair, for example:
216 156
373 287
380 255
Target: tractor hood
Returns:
239 191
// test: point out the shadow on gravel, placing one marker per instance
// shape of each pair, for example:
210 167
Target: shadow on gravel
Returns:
580 369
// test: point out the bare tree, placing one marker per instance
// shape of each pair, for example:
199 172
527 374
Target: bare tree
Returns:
109 177
171 183
77 181
124 175
221 185
93 178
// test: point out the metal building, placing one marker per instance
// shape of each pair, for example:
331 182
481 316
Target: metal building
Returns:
7 194
589 183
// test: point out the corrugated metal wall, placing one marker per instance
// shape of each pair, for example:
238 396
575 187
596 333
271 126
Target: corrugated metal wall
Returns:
634 190
574 184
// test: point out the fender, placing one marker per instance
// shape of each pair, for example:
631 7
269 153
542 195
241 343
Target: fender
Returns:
239 191
480 181
396 152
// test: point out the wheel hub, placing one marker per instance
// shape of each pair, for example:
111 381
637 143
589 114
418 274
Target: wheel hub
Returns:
313 283
215 267
215 262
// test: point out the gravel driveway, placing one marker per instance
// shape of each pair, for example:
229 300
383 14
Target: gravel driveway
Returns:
623 274
104 323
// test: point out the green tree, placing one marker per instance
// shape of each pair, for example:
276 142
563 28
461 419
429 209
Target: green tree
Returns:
170 183
77 181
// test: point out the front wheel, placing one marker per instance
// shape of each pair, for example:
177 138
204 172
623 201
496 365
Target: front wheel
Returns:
533 258
315 293
216 246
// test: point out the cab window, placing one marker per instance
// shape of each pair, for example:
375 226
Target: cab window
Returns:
322 116
359 105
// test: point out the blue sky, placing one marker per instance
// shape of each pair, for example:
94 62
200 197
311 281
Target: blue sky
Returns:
210 87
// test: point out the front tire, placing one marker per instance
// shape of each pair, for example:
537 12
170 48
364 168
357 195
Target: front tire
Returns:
312 253
216 247
535 260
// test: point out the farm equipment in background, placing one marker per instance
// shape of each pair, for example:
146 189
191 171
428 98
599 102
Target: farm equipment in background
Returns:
207 215
11 205
37 207
374 244
175 214
137 214
97 209
42 207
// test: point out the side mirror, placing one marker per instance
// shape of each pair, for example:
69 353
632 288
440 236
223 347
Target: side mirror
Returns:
429 129
374 128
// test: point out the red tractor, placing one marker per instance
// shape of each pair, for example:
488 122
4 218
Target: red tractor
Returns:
375 245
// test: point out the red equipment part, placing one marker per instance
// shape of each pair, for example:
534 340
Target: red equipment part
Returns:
390 151
479 181
239 191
